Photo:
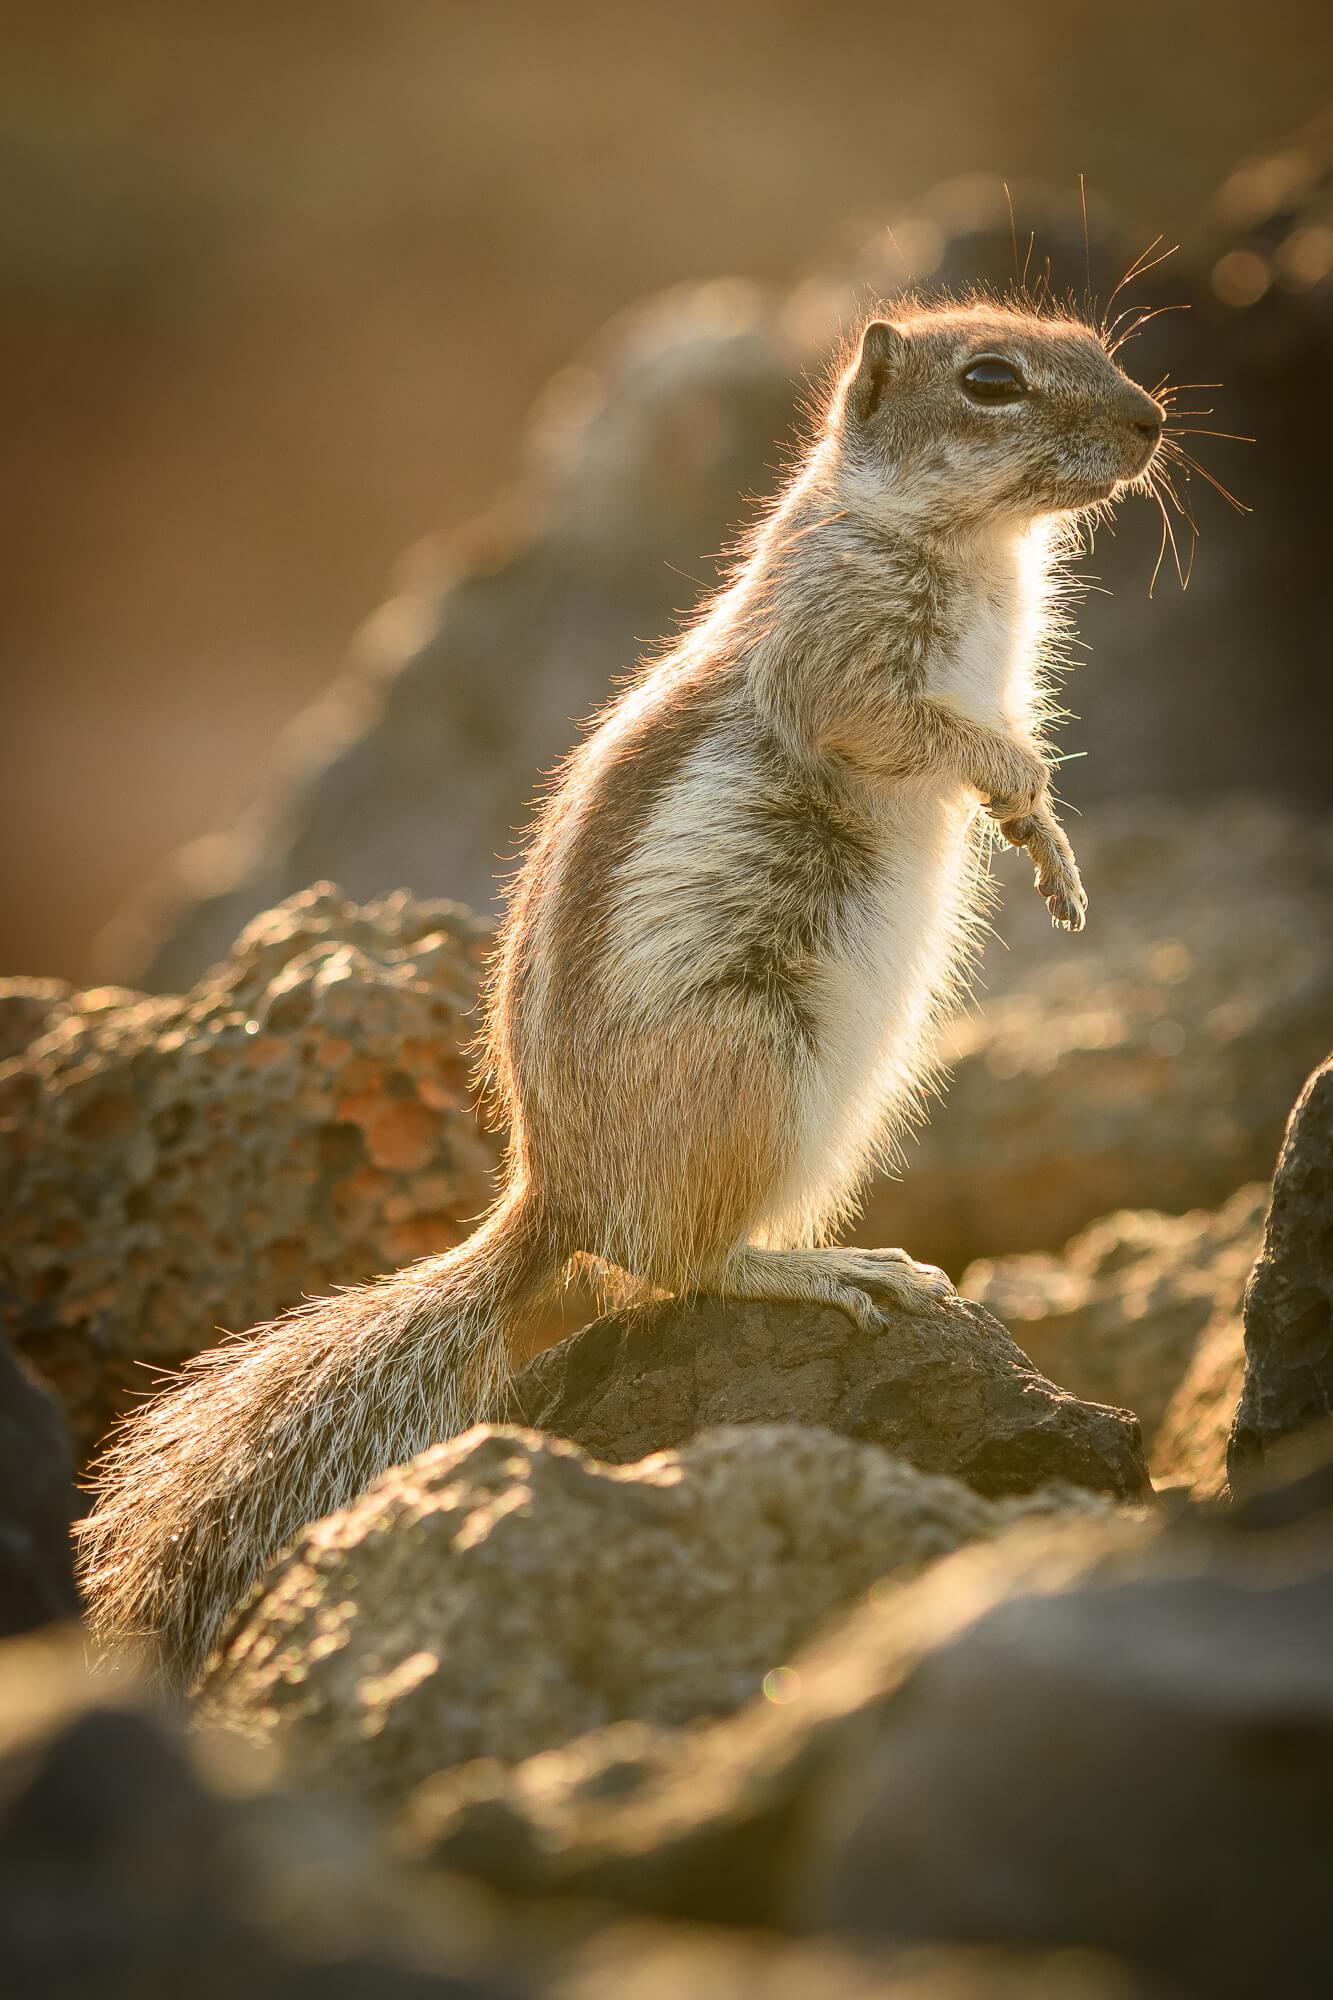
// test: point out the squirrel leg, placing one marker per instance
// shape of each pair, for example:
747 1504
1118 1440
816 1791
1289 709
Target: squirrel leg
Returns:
1055 871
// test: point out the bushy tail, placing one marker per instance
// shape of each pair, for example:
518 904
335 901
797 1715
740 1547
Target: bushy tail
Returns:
205 1483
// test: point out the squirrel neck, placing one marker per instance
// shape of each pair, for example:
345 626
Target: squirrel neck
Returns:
840 612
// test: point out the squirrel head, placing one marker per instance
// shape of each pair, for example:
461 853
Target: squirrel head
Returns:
963 414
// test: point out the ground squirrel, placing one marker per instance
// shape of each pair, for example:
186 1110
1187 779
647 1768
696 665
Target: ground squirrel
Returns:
747 900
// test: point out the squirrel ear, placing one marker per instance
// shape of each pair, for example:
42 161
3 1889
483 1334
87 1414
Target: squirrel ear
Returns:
881 351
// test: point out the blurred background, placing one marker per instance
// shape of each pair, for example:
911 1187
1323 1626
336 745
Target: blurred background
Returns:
281 285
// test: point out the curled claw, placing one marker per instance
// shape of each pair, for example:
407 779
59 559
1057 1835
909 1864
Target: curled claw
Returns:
1068 908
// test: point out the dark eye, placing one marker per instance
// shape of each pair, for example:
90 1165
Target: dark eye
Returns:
991 380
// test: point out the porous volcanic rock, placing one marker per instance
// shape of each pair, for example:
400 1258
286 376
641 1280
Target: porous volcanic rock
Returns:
1091 1736
1122 1313
504 1593
301 1119
29 1008
947 1389
1289 1306
1149 1062
37 1503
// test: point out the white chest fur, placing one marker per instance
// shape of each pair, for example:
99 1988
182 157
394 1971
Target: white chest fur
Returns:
990 669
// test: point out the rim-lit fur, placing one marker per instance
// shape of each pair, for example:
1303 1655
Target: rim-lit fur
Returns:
749 897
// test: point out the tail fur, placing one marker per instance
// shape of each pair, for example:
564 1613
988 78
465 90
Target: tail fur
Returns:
205 1483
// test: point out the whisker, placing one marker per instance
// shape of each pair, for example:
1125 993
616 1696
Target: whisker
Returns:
1129 276
1236 437
1186 515
1013 228
1087 252
1139 269
1175 550
899 248
1141 322
1178 451
1161 551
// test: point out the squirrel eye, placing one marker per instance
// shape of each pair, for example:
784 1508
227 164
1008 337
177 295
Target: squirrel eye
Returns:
991 380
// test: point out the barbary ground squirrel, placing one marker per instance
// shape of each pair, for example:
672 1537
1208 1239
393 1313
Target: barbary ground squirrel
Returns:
748 899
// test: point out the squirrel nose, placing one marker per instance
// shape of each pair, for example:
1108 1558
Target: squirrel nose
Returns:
1143 415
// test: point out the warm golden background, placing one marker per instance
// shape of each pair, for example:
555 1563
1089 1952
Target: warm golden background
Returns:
279 284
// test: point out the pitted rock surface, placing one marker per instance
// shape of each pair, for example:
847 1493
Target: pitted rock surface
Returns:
1124 1312
1289 1306
971 1756
948 1390
29 1008
504 1593
301 1119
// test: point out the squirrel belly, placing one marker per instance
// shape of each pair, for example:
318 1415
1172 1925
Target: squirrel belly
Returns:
748 900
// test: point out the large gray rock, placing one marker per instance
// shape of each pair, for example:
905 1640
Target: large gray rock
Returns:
1149 1062
504 1593
643 1961
134 1868
138 1863
1124 1314
948 1390
37 1504
1125 1759
1103 1736
1289 1306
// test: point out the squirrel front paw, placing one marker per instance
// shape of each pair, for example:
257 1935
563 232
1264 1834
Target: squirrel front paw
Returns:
1066 899
1018 784
1055 871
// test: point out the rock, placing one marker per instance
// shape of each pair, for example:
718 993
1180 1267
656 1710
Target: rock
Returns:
1123 1313
1096 1736
135 1867
420 763
1149 1062
37 1504
1168 1720
1289 1306
949 1391
643 1961
504 1593
301 1119
138 1864
1191 1445
29 1008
